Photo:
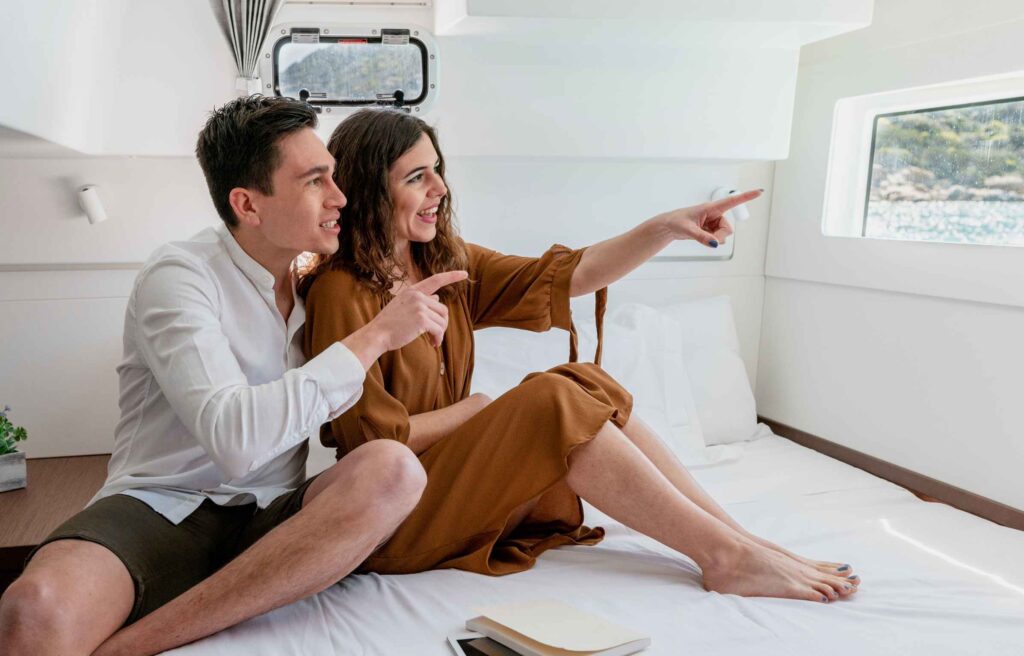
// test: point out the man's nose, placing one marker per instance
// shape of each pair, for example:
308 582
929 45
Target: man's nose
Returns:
337 199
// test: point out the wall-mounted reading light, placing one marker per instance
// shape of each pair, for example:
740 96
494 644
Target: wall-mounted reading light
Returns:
91 204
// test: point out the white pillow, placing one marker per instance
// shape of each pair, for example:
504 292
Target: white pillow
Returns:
503 356
718 377
643 353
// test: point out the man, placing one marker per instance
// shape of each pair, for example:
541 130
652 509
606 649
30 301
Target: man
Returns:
205 519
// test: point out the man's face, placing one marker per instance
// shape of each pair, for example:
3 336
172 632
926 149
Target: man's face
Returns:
303 212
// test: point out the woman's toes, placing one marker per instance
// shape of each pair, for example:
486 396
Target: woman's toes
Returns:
843 587
813 594
826 591
853 580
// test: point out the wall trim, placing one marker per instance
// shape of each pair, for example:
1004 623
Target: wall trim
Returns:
69 266
928 488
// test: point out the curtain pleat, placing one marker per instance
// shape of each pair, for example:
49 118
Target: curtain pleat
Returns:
245 24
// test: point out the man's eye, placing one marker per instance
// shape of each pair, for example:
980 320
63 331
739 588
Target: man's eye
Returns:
315 182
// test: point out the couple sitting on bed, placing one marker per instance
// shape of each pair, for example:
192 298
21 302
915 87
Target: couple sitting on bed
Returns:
233 358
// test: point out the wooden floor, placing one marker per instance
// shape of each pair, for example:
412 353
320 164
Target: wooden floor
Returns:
57 489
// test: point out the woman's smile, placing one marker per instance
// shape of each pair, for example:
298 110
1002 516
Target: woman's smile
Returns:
428 215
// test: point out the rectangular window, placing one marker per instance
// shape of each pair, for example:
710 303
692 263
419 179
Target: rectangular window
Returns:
350 70
948 174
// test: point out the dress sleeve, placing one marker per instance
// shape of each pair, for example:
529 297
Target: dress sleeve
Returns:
336 307
528 293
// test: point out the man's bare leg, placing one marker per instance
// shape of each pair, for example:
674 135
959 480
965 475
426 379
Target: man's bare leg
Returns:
72 596
75 594
668 464
611 473
363 498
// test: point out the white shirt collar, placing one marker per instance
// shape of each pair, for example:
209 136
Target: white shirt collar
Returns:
252 269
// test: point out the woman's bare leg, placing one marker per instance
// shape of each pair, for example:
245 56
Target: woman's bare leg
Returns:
613 474
644 437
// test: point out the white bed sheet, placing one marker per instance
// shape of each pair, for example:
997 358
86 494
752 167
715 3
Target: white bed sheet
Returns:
937 581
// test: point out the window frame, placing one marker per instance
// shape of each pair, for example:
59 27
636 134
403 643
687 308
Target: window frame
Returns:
334 32
907 112
851 140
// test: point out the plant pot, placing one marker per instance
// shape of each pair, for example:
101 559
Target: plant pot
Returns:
13 472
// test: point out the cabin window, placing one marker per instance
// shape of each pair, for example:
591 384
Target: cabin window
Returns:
339 67
951 173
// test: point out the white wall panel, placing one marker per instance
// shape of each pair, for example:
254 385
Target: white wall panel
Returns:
57 372
931 385
148 200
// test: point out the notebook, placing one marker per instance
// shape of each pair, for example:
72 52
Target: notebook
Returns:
553 628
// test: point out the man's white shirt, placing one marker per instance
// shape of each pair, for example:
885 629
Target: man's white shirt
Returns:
217 401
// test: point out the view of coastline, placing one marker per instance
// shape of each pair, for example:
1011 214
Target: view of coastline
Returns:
952 175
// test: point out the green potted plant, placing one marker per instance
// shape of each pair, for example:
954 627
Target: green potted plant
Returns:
13 473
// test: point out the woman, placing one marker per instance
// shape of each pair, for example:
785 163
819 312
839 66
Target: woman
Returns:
505 478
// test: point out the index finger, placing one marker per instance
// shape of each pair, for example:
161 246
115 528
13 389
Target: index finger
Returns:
439 280
729 202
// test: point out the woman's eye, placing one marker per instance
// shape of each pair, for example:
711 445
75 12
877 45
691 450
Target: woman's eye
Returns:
416 178
315 182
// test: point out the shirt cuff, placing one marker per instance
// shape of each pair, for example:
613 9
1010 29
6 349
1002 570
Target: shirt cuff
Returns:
340 375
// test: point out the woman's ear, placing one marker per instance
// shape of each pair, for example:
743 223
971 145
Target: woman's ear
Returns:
241 201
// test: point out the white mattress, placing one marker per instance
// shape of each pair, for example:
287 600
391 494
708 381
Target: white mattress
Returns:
936 580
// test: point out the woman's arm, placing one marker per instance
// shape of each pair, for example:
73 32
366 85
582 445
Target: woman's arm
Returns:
609 260
427 428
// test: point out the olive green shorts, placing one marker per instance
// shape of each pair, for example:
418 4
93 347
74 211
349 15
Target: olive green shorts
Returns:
166 559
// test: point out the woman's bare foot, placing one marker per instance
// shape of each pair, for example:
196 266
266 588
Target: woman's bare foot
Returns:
753 570
841 569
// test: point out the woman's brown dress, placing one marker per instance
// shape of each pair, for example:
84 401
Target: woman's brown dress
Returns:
511 452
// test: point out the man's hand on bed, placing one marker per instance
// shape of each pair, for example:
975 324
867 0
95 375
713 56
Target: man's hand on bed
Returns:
414 311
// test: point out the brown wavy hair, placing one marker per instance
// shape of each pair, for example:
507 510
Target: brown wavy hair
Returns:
365 146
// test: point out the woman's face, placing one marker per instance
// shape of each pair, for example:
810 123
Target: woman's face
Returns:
416 191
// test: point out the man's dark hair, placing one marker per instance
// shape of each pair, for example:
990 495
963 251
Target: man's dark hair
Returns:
238 145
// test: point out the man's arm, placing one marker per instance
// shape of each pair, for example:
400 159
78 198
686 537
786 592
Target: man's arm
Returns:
241 426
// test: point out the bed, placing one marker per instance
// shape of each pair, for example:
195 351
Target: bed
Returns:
936 580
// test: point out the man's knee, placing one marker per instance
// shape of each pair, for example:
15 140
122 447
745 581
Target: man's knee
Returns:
401 475
392 472
32 605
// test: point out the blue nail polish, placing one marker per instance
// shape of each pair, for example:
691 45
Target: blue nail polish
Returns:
713 243
850 578
848 586
843 568
825 599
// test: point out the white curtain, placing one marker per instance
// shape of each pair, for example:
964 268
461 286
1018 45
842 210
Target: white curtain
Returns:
245 24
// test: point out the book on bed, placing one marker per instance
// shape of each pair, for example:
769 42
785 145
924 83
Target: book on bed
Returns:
553 628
